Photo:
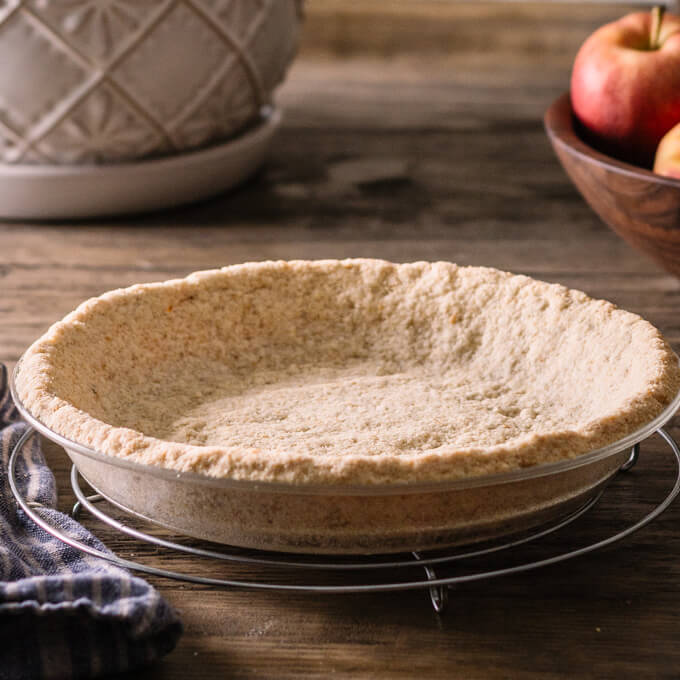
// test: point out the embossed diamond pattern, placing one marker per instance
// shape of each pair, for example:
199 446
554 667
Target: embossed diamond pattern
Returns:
6 144
6 6
115 80
8 148
173 43
24 102
241 17
231 103
102 126
97 28
272 55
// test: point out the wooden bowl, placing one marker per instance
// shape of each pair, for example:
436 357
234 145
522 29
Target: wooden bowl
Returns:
639 205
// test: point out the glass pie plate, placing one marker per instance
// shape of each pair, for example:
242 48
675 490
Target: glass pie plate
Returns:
349 519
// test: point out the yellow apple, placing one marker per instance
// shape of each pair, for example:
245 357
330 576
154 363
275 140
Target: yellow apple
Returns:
667 159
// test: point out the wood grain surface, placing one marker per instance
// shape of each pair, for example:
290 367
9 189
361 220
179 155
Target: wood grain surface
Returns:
404 148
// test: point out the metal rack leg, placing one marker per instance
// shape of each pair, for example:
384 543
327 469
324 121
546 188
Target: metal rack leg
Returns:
634 455
439 594
78 506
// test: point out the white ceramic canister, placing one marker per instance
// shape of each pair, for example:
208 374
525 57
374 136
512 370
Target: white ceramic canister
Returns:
87 82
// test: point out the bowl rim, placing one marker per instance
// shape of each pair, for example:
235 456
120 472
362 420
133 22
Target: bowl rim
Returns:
558 122
396 488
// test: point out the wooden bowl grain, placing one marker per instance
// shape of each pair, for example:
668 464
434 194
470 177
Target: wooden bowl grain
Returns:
639 205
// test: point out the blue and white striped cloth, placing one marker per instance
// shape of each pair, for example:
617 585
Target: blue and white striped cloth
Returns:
64 614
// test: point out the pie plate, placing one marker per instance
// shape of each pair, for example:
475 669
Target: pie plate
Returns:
52 192
276 497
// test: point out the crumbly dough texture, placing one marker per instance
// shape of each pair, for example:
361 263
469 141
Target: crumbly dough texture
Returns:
347 372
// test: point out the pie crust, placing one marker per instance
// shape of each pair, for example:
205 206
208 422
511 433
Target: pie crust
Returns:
357 372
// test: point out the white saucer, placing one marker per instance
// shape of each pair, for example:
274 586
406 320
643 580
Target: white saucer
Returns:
60 192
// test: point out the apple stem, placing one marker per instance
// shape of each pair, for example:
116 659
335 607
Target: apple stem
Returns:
657 18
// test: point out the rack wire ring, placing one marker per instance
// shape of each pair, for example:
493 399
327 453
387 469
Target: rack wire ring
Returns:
435 585
87 502
438 594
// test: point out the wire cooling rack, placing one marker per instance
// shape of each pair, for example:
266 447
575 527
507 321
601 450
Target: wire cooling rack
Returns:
324 574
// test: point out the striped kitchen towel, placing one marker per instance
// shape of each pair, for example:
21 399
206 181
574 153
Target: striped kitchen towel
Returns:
64 614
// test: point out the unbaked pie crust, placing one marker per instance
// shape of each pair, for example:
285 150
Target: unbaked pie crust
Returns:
347 372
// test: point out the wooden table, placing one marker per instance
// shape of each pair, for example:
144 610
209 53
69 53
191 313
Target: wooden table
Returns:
412 131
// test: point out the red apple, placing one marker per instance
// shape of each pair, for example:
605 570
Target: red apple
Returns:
625 84
667 159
